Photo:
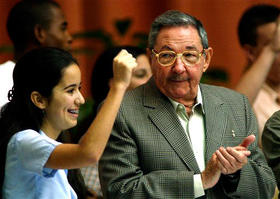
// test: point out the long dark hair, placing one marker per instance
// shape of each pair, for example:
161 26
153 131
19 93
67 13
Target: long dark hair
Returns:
38 70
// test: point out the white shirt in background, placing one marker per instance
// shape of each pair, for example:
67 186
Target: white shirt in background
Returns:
6 81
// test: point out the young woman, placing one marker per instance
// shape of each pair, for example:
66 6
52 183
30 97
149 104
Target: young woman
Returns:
45 101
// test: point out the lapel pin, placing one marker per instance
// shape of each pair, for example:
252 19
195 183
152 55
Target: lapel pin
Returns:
233 134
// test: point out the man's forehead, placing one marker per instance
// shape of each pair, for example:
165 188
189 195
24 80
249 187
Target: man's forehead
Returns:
265 32
57 13
178 35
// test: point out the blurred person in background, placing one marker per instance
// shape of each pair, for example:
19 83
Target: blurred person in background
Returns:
259 36
32 24
101 81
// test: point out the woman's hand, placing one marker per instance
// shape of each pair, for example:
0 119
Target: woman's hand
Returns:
123 65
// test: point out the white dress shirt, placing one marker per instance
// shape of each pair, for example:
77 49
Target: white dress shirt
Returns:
195 131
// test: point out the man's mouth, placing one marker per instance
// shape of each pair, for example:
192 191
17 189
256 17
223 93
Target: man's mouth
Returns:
179 78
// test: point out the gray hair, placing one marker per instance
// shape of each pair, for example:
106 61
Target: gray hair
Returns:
176 18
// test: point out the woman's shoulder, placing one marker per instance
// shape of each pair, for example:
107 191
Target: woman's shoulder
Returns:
24 134
31 137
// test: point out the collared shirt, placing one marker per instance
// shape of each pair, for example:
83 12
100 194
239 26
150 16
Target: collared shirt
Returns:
264 106
25 174
194 129
91 178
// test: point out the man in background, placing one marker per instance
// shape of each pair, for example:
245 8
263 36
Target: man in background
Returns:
259 36
32 24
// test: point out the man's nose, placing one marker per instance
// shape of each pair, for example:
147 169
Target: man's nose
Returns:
69 38
178 65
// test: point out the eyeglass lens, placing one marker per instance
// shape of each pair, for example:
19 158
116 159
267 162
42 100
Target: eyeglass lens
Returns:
169 57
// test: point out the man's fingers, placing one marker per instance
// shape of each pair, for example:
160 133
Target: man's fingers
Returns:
248 140
225 159
275 42
240 156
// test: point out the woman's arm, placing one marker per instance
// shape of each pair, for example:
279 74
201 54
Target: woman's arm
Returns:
91 145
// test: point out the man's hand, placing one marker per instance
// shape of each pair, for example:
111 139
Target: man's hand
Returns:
211 175
226 161
248 141
275 42
234 158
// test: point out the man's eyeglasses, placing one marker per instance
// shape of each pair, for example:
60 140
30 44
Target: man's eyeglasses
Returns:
167 58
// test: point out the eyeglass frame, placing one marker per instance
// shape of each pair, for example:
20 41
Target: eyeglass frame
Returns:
177 54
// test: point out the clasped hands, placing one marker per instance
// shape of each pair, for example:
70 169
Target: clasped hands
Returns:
226 161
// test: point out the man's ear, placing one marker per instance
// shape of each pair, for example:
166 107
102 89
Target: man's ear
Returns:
250 52
40 33
208 55
38 100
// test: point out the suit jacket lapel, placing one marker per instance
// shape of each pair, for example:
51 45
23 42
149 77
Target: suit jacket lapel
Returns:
215 121
163 115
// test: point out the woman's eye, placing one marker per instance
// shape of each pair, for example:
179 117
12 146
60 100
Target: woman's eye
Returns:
70 91
140 73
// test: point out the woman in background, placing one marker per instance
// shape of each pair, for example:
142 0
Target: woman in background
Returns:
102 73
101 81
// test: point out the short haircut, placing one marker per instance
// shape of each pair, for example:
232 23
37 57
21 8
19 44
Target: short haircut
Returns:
176 18
24 16
253 18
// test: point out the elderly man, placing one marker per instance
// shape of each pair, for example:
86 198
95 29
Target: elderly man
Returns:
177 138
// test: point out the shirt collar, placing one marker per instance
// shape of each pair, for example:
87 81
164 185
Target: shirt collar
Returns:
198 101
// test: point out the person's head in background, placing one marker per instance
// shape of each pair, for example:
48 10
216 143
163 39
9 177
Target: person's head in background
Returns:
37 23
103 71
255 30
